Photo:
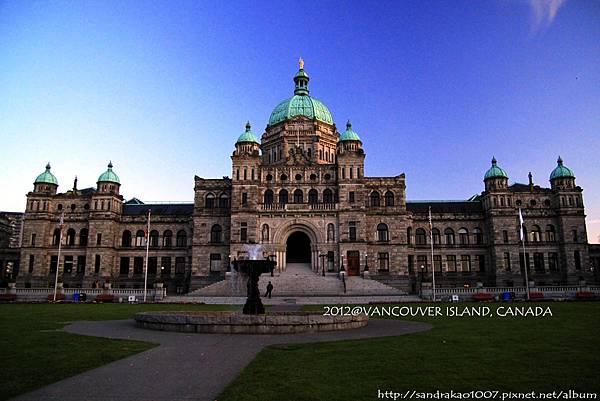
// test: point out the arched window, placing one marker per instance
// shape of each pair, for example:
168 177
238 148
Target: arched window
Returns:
437 238
181 238
382 232
409 235
268 197
327 196
154 238
330 233
478 235
420 236
550 233
463 236
215 234
536 234
126 239
283 196
298 196
389 198
168 239
210 201
83 237
223 201
375 199
71 237
313 196
139 238
283 177
265 233
449 234
269 177
56 236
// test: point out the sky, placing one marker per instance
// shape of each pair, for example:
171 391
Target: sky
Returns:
433 88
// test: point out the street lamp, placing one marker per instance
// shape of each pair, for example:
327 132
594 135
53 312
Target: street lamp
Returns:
421 281
366 262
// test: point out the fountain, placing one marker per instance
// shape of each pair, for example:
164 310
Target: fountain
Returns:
253 269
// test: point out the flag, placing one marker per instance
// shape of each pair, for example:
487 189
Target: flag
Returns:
147 229
430 222
522 234
61 221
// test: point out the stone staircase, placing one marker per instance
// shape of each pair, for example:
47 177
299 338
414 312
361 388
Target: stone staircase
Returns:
298 280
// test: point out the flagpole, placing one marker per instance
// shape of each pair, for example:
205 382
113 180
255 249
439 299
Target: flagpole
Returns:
525 264
61 222
147 249
432 263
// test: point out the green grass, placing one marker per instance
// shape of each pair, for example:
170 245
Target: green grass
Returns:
35 351
460 354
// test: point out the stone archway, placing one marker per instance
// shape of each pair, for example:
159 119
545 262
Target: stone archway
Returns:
298 248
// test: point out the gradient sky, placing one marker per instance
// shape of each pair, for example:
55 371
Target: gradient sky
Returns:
434 89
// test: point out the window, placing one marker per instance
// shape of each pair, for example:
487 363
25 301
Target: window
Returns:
165 266
536 234
283 196
351 198
269 177
449 234
313 196
181 238
351 173
244 232
478 236
330 232
327 177
409 235
152 264
223 201
244 199
215 234
180 265
437 237
138 265
352 231
411 263
422 263
215 262
550 233
53 263
328 196
168 239
577 256
210 201
268 197
538 262
298 177
384 261
382 232
31 263
298 196
505 236
126 239
68 264
99 239
80 264
420 236
283 177
463 236
313 177
553 262
465 263
507 266
33 239
139 238
523 261
83 237
451 262
265 233
71 237
124 266
154 238
375 199
574 235
97 264
343 173
480 263
389 198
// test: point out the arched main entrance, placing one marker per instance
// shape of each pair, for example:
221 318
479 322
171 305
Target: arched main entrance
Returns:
298 248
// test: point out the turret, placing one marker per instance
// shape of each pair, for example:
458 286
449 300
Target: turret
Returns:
495 178
46 182
109 182
562 177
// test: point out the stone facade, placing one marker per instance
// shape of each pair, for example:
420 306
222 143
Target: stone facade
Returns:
300 193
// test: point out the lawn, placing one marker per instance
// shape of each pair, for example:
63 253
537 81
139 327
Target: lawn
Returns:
35 351
460 354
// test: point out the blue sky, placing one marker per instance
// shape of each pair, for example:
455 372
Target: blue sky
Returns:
434 89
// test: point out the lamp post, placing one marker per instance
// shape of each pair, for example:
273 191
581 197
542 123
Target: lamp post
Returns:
421 281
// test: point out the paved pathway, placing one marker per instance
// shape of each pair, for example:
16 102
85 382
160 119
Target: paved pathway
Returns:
303 300
185 366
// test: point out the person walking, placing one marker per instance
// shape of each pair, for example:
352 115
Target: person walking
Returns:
269 289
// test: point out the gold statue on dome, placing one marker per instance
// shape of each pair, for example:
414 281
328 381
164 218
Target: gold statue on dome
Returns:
301 63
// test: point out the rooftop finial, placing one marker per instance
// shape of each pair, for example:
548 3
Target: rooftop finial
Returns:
301 63
559 161
248 126
348 125
110 165
493 160
48 166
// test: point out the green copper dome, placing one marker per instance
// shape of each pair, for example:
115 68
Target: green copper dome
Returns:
349 134
301 104
561 171
248 136
495 171
46 177
109 175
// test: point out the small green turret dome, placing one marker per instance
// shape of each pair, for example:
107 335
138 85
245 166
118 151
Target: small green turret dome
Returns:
301 104
561 171
349 134
46 177
109 175
248 136
495 171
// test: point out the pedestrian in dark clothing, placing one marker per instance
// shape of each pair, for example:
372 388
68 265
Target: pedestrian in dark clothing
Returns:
269 289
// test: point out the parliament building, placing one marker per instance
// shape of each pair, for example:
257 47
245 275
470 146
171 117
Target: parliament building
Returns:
300 193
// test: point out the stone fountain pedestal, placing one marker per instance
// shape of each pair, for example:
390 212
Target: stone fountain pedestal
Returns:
253 269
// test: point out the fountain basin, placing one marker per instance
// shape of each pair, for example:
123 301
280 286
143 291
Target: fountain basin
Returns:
238 323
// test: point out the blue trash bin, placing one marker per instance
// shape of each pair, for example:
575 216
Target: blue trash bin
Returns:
506 296
76 297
